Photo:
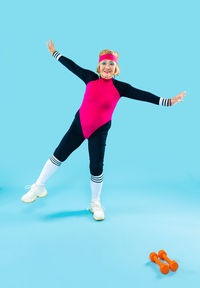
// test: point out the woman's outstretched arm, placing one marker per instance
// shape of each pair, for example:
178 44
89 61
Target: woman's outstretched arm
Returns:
126 90
84 74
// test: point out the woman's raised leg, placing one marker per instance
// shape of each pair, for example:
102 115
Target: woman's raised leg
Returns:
71 141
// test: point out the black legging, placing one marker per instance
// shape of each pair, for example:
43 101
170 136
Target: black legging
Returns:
96 144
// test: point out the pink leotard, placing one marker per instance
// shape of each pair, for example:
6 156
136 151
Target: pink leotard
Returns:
98 105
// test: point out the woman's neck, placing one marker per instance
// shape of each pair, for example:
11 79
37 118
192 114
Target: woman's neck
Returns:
106 79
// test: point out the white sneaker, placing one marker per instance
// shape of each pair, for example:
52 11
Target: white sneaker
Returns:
35 191
97 210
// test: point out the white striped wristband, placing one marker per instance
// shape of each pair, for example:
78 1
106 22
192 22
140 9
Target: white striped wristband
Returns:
56 55
164 102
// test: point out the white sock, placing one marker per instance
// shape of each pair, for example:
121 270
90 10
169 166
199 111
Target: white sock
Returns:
96 184
50 167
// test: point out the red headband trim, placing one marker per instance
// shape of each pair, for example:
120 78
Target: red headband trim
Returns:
108 56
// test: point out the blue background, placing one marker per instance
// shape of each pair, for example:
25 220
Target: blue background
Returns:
151 169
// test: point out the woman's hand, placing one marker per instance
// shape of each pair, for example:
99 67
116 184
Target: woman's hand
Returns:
51 47
178 98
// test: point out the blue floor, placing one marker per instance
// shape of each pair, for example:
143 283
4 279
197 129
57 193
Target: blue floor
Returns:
54 242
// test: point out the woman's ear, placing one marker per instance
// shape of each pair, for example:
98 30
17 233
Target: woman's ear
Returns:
115 73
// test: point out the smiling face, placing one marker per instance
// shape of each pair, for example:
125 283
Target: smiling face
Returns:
107 68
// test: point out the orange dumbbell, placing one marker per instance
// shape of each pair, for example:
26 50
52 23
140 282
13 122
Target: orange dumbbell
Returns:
164 268
173 265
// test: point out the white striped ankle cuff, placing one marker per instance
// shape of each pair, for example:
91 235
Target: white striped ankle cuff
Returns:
55 161
97 179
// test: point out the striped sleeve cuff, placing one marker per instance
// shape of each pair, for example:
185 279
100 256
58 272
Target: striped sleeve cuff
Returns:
56 55
164 102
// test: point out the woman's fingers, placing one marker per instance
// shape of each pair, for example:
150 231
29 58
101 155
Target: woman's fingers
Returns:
48 46
177 101
52 45
178 98
182 94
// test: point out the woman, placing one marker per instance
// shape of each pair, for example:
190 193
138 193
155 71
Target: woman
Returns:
92 121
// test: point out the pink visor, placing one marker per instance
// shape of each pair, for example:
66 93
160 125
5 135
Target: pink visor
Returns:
108 56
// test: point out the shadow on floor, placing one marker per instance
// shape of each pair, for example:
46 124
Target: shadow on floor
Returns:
157 271
65 214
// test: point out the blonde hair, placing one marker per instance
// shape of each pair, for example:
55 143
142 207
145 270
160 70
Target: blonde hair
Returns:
107 51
